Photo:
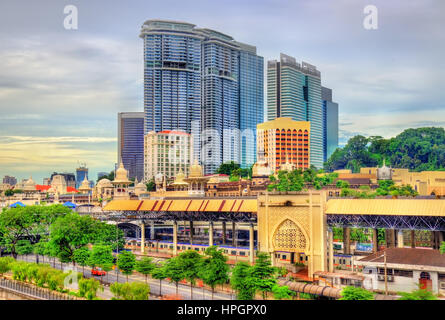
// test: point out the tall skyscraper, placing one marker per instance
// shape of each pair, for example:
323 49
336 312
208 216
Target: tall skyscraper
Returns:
131 143
330 123
172 77
200 79
251 99
294 90
81 173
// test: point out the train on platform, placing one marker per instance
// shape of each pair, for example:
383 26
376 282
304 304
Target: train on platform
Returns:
234 254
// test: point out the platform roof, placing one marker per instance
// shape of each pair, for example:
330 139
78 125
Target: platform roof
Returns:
184 205
390 207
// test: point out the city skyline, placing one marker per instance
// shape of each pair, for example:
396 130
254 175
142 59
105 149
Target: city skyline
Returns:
61 90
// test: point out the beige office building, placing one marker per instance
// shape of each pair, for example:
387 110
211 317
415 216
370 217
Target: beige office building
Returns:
167 152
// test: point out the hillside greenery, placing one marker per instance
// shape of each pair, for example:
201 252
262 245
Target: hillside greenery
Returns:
419 149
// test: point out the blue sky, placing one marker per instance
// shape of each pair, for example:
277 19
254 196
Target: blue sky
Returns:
60 90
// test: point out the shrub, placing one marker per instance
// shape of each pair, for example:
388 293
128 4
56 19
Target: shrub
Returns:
130 291
88 288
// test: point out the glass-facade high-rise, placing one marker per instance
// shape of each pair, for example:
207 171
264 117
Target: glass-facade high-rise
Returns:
294 91
131 143
200 79
172 77
251 97
330 123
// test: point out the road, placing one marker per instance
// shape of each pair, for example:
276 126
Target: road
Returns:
113 276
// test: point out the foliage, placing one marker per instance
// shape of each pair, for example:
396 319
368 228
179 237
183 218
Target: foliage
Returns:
420 149
189 263
214 269
101 256
263 274
282 292
28 222
297 179
151 185
420 294
5 264
39 274
130 291
70 233
24 247
88 288
173 271
242 282
353 293
81 256
109 234
109 176
160 274
126 262
442 247
145 266
9 193
227 167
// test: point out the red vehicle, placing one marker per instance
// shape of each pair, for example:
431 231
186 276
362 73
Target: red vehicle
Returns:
98 272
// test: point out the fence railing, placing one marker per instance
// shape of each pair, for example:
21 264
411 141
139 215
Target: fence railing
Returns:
32 291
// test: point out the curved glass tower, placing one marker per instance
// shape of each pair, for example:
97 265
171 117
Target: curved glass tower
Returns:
172 77
203 82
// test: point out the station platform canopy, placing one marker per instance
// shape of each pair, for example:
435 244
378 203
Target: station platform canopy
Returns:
184 205
387 207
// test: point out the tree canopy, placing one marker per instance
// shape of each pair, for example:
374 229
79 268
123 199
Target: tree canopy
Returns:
419 149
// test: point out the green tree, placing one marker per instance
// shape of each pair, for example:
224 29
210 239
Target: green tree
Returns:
190 263
227 167
9 193
214 270
145 266
173 271
263 274
353 293
101 256
110 234
24 247
242 281
126 262
71 232
81 257
282 292
160 274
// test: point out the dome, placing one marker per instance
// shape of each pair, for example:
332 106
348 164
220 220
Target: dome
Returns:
384 173
121 175
195 170
179 179
104 183
85 185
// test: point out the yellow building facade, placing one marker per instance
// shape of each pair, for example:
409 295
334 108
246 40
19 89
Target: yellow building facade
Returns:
295 224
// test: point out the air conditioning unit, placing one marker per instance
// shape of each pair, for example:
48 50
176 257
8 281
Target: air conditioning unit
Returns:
381 277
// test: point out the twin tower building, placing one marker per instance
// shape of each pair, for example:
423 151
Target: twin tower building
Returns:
206 84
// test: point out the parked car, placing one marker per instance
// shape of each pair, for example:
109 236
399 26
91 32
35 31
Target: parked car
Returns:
98 272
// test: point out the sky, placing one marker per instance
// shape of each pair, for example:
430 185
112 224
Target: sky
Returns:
61 90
